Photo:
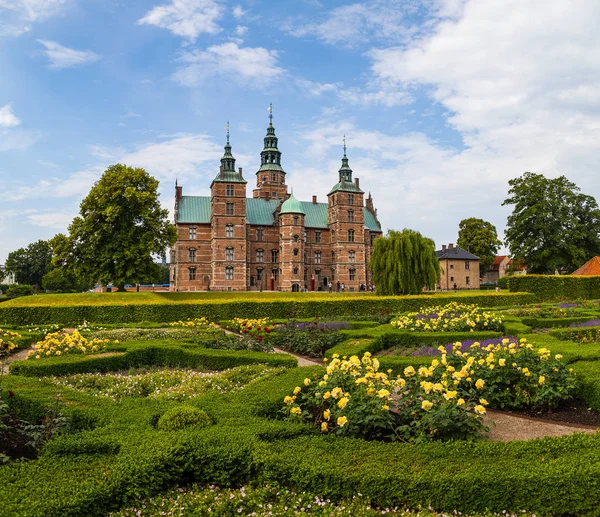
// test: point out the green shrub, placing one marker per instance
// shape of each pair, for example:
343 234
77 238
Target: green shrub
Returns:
557 287
182 417
309 338
18 290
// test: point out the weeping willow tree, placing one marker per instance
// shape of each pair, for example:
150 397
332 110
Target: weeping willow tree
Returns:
403 263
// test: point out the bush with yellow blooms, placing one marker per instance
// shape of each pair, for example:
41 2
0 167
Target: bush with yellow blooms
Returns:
355 399
198 323
453 317
57 344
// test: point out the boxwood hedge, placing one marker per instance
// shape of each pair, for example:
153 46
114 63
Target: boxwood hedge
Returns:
556 287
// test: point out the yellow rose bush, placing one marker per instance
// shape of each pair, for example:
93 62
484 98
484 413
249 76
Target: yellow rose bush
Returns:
355 399
7 342
57 344
508 374
197 323
453 317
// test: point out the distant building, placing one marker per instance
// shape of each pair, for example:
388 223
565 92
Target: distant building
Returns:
591 267
7 278
272 241
495 271
460 269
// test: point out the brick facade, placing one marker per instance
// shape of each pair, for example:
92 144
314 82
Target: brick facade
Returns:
459 267
229 242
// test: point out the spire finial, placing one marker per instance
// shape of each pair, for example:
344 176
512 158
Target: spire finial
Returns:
344 144
227 129
270 108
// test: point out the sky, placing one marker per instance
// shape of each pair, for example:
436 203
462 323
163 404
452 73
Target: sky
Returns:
442 101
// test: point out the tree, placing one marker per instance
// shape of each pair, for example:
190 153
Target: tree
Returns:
404 263
480 238
120 226
553 226
60 280
30 264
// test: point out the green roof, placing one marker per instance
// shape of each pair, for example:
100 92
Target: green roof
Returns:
345 186
259 212
229 177
292 206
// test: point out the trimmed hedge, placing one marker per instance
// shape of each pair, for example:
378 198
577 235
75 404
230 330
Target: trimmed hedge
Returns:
156 353
330 306
544 323
555 287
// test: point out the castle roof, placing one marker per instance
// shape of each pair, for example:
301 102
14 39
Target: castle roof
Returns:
292 206
591 267
260 212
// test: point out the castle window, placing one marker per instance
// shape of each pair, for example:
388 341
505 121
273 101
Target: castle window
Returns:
451 279
192 233
295 252
467 265
352 257
295 238
317 257
274 195
373 237
332 278
317 236
318 275
228 273
229 230
305 274
451 266
274 256
350 216
295 271
260 234
192 273
230 190
296 218
275 273
350 235
306 257
468 280
350 199
259 275
192 255
333 256
352 274
273 174
229 253
305 236
229 209
260 256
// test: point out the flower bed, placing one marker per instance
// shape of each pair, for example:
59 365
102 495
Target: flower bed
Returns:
311 339
453 317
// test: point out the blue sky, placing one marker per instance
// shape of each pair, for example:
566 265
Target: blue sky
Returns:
442 101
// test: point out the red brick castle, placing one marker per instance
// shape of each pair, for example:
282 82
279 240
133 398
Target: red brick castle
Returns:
272 241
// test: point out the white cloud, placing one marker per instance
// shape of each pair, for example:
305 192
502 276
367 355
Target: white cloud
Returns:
241 30
33 10
62 57
55 220
239 13
186 18
229 58
17 139
7 117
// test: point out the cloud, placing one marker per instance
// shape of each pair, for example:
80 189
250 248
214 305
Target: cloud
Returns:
18 15
246 63
62 57
55 220
7 117
186 18
241 30
239 13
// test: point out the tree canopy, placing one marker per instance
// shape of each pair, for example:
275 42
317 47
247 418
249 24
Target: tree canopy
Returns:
480 238
404 263
553 225
120 226
30 264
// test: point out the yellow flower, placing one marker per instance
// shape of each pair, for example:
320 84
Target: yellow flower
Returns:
306 382
295 410
327 414
297 390
483 402
342 403
409 371
326 395
479 384
450 395
385 407
480 410
502 362
460 402
558 357
288 400
426 405
336 392
542 379
324 427
342 421
383 393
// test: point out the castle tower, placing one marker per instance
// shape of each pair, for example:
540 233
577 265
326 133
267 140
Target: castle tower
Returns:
291 229
228 226
270 178
347 226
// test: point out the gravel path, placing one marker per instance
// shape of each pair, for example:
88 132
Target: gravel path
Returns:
21 355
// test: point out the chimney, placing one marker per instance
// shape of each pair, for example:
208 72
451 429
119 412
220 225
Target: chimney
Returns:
356 183
443 247
178 192
450 246
369 204
314 200
240 173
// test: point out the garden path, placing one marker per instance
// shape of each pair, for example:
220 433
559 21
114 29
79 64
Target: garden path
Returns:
21 355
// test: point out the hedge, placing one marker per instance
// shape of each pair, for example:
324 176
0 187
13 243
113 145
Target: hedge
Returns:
328 306
386 336
156 353
90 473
544 323
556 287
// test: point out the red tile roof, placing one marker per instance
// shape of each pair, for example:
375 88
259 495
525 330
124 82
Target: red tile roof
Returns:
591 267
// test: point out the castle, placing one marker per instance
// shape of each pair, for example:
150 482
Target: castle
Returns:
272 241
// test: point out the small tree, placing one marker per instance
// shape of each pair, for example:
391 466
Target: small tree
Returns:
121 225
404 263
480 238
30 264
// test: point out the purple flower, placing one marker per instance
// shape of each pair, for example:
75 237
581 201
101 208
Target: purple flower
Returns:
590 323
568 305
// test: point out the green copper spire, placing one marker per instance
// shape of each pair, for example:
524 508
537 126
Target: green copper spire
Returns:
292 206
270 157
227 173
345 170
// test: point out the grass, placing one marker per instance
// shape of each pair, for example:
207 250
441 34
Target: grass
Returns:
205 297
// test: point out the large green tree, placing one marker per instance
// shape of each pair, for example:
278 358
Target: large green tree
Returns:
120 226
553 225
404 263
30 264
480 238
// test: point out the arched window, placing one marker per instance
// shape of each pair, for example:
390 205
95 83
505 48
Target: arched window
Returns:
228 273
352 274
317 257
260 255
295 271
229 253
295 252
352 257
296 218
350 216
192 273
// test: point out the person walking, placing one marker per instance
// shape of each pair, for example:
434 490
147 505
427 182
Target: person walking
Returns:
338 286
330 286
